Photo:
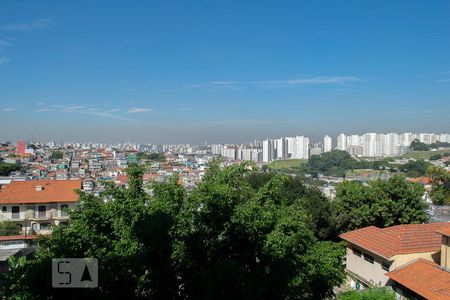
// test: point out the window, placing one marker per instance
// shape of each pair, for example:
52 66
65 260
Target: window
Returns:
368 258
42 211
4 209
356 252
385 266
15 210
64 210
45 226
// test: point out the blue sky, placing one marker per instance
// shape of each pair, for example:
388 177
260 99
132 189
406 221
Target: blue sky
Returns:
221 71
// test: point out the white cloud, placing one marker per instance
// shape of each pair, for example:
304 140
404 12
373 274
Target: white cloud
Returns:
9 109
213 86
73 108
223 82
444 80
237 86
40 103
139 110
107 114
4 43
183 108
307 81
112 110
39 24
45 109
4 60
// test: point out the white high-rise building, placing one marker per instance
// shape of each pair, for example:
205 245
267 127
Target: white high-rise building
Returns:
229 152
300 148
290 146
256 155
327 143
370 145
341 142
268 151
281 148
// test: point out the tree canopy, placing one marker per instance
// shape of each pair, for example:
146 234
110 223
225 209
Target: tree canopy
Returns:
416 145
380 203
9 228
57 155
235 236
151 156
337 163
6 168
440 180
368 294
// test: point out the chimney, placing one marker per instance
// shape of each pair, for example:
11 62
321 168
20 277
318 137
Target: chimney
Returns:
39 188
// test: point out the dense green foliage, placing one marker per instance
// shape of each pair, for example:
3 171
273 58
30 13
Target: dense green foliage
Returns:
6 168
414 168
333 163
57 155
9 228
416 145
380 203
368 294
337 163
239 235
151 156
440 180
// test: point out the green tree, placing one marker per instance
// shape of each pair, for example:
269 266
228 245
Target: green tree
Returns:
368 294
6 168
9 228
57 155
415 168
416 145
380 203
435 157
440 179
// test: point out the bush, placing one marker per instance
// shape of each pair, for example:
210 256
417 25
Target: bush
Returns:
368 294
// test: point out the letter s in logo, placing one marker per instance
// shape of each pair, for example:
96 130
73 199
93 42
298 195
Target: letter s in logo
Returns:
63 268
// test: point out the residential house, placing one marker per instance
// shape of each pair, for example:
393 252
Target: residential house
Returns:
372 251
36 205
414 259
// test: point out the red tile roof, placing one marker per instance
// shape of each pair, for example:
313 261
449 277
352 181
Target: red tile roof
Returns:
425 278
53 191
400 239
444 230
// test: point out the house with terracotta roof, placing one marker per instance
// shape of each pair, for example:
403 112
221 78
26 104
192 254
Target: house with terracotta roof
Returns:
36 205
372 251
391 256
424 279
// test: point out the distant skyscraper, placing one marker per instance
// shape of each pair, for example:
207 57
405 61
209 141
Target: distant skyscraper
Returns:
268 151
327 144
341 142
20 147
281 148
300 147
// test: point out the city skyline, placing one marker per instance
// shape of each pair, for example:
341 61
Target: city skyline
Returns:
227 71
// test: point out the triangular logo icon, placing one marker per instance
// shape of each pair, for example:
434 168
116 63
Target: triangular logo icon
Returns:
86 275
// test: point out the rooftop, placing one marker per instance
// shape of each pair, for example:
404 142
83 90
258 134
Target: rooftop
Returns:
425 278
444 230
395 240
40 191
